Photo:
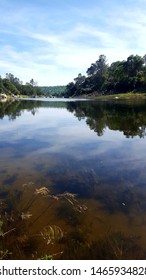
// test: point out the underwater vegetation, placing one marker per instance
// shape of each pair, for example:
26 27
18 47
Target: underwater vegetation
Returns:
111 246
25 228
52 233
36 223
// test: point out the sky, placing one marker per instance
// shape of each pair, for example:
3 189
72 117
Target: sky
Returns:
52 41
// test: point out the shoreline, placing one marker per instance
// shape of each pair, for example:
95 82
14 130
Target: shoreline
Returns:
120 96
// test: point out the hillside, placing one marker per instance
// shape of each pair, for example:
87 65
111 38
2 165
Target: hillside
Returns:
57 91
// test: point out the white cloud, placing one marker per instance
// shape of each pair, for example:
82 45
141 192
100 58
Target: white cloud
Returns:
53 46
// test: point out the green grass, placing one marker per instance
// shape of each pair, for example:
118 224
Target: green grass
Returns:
129 95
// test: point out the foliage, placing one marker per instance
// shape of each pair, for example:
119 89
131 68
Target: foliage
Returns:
4 254
47 257
119 77
10 88
53 91
11 85
102 78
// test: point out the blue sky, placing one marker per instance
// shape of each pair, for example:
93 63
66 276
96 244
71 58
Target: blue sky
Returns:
52 41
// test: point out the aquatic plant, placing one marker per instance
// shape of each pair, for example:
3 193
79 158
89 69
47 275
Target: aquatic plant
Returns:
2 233
50 257
25 216
70 197
52 233
26 237
38 191
111 246
47 257
4 254
1 230
43 191
67 213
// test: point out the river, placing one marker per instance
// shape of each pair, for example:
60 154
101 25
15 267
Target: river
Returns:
72 179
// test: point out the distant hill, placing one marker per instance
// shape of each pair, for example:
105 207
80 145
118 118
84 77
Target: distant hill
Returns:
57 91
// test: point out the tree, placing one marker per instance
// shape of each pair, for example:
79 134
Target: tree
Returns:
70 89
98 73
134 64
79 80
1 85
99 67
12 79
10 88
33 83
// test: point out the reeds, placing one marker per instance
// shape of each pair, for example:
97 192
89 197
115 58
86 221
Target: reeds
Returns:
50 233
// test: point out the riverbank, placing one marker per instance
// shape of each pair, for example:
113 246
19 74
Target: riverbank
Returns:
129 95
8 97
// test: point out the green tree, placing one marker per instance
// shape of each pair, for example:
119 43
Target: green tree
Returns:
10 88
33 83
79 79
1 85
98 73
70 89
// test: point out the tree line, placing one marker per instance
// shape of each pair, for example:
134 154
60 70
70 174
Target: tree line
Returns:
11 85
53 91
119 77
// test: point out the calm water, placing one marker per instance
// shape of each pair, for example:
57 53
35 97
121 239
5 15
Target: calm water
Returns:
72 179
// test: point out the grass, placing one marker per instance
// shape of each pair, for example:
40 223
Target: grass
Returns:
129 95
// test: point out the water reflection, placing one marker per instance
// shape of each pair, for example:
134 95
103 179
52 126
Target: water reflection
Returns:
128 117
72 177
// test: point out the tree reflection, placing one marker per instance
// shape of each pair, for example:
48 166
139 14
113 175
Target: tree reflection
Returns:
129 118
15 109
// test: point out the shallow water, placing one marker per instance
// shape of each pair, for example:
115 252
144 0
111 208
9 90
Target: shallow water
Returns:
90 157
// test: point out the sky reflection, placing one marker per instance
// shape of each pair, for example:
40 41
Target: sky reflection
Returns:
57 135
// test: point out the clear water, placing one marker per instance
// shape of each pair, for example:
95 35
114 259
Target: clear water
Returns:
90 157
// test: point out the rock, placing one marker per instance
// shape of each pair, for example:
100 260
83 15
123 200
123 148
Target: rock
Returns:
3 97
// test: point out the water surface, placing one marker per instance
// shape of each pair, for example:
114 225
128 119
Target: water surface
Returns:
90 158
